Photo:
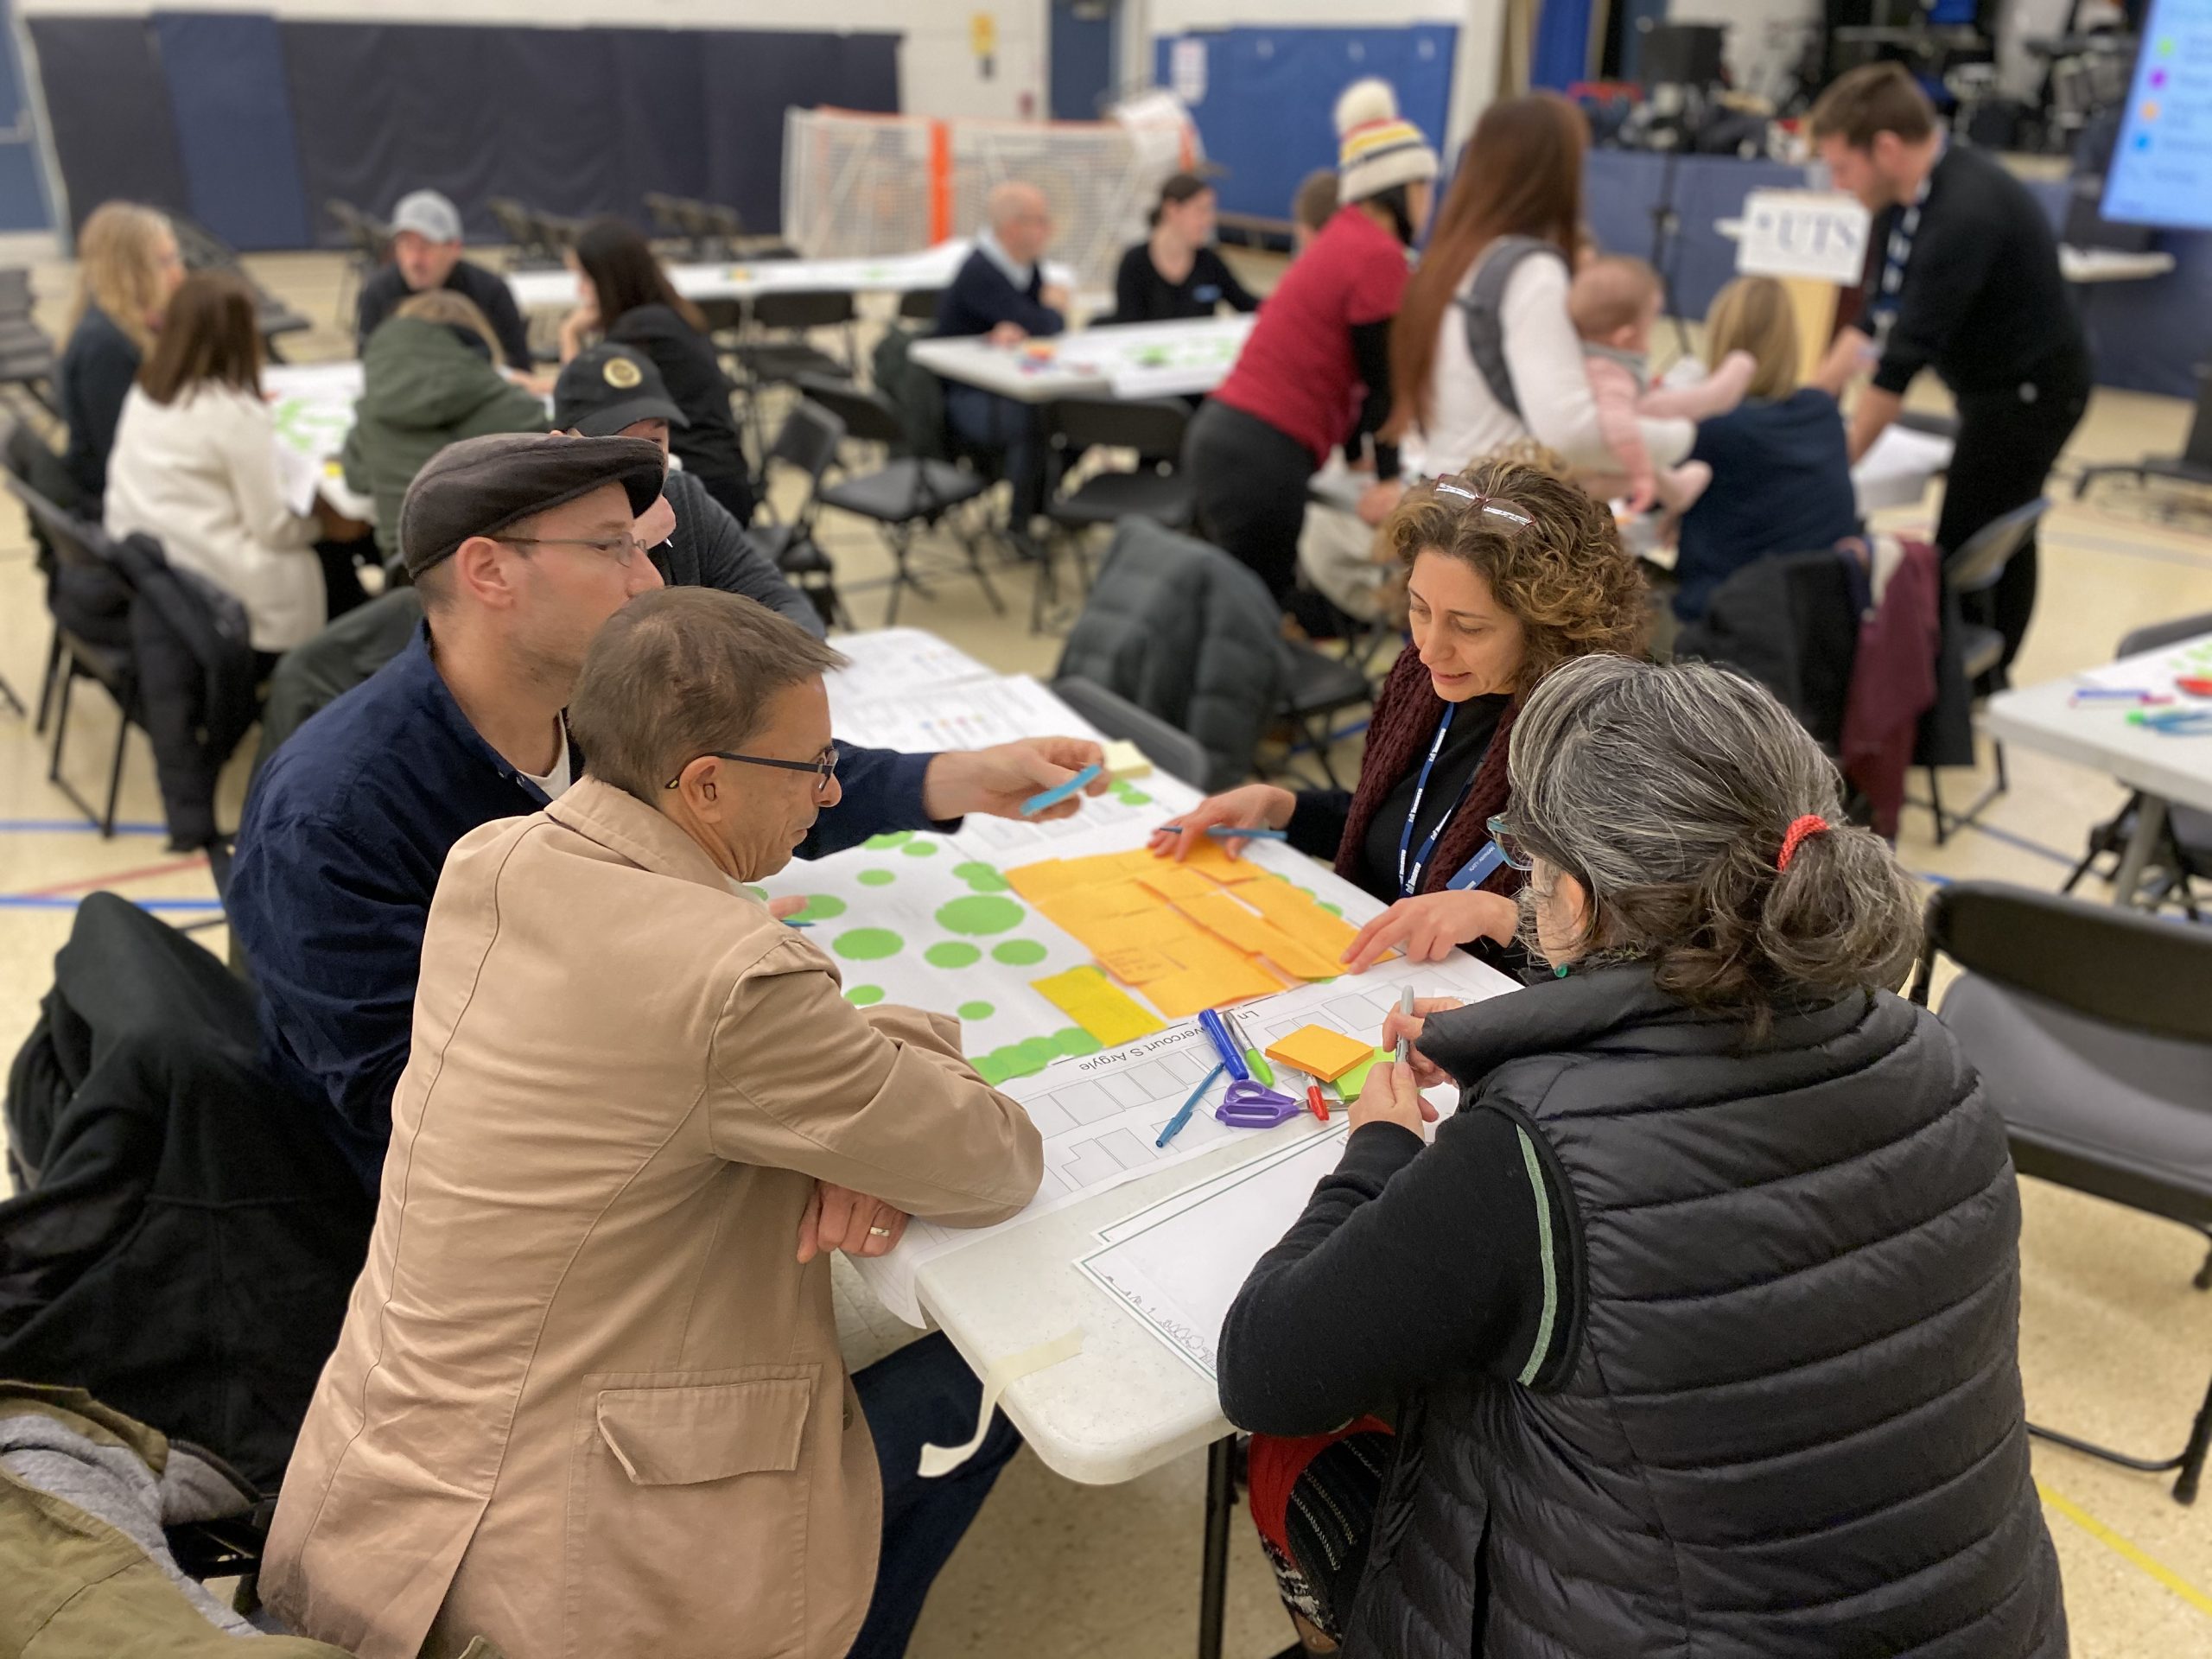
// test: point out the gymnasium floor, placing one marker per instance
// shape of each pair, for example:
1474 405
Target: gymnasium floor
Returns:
2115 1346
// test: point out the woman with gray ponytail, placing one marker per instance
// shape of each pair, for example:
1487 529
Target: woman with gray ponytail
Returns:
1697 1326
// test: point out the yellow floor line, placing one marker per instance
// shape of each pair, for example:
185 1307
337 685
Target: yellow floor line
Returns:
2127 1550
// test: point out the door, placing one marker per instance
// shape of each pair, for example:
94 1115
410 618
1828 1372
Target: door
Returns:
1082 53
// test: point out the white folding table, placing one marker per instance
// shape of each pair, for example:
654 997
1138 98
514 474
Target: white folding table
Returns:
1133 360
2165 768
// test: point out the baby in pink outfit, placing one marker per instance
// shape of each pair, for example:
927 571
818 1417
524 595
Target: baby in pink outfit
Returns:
1614 303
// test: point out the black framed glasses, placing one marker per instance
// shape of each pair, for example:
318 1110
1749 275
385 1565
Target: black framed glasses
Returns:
1517 851
621 548
824 765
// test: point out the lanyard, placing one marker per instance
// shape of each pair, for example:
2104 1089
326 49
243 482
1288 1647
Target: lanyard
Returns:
1897 253
1408 883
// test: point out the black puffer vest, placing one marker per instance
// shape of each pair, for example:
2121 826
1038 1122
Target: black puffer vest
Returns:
1788 1422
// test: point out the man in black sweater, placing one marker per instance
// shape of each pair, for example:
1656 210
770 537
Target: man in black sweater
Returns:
426 254
1964 281
1000 291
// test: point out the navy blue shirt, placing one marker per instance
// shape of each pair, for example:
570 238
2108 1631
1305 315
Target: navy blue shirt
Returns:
1781 484
982 296
339 852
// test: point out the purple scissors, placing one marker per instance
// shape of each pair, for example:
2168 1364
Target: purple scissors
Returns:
1248 1105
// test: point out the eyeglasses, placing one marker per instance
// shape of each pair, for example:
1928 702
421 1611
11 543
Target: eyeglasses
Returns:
621 548
824 765
1517 851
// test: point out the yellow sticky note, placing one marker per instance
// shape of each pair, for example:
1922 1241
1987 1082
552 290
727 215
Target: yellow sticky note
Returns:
1319 1052
1096 1004
1183 993
1174 881
1124 761
1043 879
1300 916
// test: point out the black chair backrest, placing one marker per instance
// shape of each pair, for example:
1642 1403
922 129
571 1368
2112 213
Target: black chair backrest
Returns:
73 540
667 213
809 440
15 296
1975 567
2197 448
1151 426
201 248
2114 966
1173 750
826 309
2158 635
866 416
32 461
920 304
368 236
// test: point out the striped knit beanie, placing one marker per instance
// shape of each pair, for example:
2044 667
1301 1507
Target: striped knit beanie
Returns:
1376 147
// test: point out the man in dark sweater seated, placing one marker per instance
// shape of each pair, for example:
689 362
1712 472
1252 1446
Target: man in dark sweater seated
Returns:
426 254
1000 291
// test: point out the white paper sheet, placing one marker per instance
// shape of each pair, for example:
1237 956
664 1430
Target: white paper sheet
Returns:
2155 671
896 662
1101 1115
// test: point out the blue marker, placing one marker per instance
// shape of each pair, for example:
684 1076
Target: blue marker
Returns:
1183 1113
1059 792
1226 832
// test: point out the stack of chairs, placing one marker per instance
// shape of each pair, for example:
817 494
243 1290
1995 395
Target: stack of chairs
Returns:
202 250
27 355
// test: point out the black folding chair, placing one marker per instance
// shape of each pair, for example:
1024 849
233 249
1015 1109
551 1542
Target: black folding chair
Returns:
2092 1031
808 444
28 357
526 233
368 238
1173 750
1155 489
906 494
920 304
202 250
773 349
1975 568
89 571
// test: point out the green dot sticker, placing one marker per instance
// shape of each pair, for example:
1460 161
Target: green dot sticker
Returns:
983 912
920 850
1075 1041
761 893
876 878
861 996
953 953
890 838
1019 953
979 878
1130 795
868 943
820 907
977 1010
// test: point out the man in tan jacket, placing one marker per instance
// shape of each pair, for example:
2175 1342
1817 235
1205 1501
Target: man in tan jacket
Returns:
589 1401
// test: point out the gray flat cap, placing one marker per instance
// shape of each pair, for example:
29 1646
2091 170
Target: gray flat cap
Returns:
480 486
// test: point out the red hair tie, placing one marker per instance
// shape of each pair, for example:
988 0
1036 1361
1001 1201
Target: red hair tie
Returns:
1801 830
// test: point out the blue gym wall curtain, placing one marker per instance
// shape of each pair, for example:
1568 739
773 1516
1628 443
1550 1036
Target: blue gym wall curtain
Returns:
248 125
226 78
1561 54
107 106
1266 112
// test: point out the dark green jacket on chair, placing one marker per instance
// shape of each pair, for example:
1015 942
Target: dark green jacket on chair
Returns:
424 387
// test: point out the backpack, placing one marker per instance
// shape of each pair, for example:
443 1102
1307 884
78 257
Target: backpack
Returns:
917 395
1482 304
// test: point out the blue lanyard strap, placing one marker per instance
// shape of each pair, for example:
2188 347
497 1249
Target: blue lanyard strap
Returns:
1409 882
1897 253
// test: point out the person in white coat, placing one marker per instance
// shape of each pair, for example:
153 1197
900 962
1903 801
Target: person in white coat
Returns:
195 466
1519 182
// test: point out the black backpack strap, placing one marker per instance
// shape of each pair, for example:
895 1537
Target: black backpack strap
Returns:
1482 305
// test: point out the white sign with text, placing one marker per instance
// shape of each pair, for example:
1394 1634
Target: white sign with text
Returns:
1816 233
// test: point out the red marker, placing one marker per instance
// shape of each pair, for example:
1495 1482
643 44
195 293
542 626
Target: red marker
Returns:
1318 1106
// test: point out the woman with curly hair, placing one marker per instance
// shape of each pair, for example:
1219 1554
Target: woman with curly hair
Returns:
1509 572
1697 1327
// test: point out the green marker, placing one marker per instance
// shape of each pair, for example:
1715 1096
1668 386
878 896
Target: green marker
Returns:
1260 1070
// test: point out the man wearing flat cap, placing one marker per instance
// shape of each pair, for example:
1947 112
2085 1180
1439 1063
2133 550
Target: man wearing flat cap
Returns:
521 546
613 391
589 1400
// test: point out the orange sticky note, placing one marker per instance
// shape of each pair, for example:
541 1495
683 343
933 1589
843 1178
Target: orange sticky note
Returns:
1300 916
1318 1051
1174 881
1138 964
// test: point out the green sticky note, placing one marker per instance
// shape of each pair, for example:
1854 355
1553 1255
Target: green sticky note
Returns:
1349 1085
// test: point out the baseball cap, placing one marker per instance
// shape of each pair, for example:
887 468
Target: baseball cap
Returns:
479 486
429 215
606 388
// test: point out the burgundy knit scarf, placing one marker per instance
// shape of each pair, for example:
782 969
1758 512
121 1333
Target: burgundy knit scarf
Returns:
1403 723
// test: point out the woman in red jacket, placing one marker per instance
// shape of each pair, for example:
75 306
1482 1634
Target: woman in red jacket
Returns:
1315 374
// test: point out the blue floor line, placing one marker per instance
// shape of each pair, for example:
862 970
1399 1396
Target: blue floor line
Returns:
2026 845
60 826
64 901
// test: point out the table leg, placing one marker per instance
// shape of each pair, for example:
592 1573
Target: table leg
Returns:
1213 1577
2150 824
